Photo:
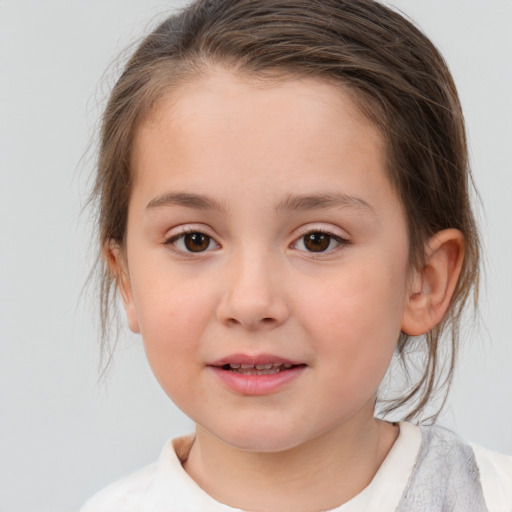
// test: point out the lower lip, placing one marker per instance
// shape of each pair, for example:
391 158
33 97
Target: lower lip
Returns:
258 385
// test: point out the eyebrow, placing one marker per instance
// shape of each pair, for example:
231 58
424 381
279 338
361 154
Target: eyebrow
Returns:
292 202
322 201
197 201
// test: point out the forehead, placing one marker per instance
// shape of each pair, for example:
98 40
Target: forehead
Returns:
293 119
297 136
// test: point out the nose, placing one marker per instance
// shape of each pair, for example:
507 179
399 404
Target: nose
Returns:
253 295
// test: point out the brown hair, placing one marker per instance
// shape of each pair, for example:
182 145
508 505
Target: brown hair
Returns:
399 81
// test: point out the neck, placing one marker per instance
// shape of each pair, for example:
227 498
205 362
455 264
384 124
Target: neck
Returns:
320 474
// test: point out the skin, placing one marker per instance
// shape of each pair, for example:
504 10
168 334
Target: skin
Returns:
248 150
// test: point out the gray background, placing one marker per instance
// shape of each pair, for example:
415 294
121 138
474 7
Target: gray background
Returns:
63 436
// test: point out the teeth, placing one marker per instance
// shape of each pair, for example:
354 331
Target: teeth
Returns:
264 366
254 371
267 366
259 369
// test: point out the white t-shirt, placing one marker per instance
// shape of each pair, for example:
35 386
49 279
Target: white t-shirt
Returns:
165 486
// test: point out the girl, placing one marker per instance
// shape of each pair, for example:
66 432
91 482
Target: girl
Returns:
283 204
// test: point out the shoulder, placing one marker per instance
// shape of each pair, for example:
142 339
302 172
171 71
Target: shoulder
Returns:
496 478
493 470
152 488
125 493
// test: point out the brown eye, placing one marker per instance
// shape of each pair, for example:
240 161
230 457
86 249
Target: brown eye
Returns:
196 242
317 242
189 242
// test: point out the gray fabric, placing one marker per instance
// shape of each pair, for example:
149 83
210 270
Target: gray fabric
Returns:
445 477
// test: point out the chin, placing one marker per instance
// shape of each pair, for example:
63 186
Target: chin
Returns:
262 439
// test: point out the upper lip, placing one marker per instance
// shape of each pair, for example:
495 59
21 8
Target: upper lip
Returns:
259 359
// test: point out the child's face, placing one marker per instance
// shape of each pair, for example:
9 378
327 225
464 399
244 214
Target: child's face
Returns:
262 229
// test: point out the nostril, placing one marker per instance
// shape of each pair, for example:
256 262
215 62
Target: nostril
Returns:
252 323
233 322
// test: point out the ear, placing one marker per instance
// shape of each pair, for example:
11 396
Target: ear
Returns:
431 289
116 261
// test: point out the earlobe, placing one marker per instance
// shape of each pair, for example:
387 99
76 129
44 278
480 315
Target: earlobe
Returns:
432 287
116 261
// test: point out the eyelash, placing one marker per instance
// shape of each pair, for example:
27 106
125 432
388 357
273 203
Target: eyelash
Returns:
331 237
171 242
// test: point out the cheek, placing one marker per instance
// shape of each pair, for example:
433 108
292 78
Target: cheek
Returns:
173 314
170 300
370 295
354 317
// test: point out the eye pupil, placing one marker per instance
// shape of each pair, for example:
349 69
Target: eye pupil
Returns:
196 242
317 242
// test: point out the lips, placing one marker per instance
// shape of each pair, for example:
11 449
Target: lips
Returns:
256 375
253 360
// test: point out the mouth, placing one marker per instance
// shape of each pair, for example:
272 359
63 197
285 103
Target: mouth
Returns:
258 369
257 375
